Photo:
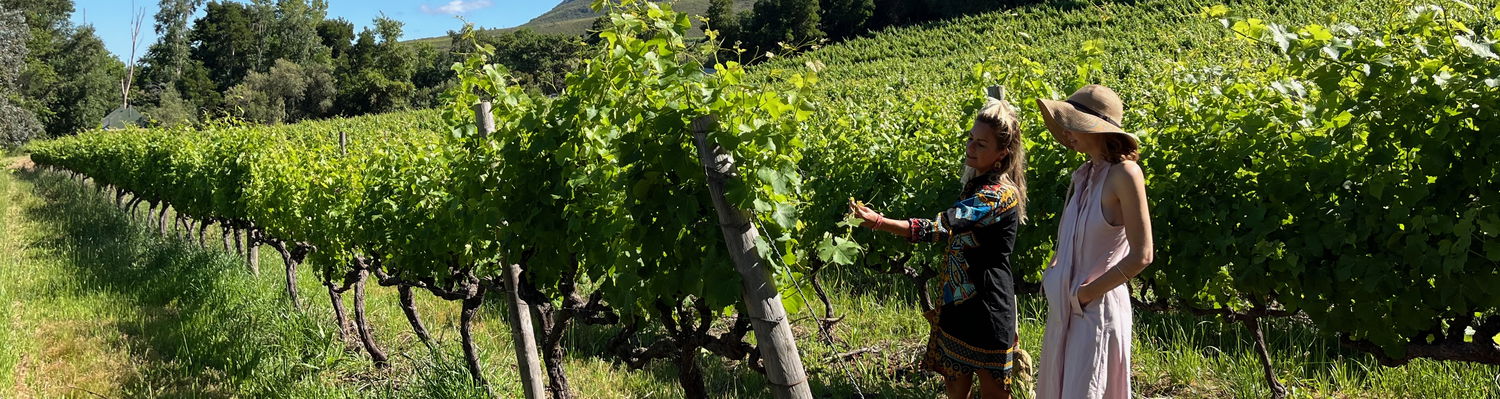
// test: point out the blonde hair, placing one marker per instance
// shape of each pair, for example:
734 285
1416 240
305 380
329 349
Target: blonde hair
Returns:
1000 116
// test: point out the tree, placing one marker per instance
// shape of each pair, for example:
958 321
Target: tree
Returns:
591 37
171 110
434 71
390 30
88 88
46 24
130 63
376 76
46 19
899 12
224 42
537 60
261 14
289 92
166 58
722 19
845 18
294 35
337 35
196 87
68 80
774 23
13 37
17 125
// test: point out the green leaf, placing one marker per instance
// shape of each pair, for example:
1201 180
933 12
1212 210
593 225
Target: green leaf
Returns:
772 177
1317 32
838 250
850 221
1482 49
826 248
846 251
1217 11
785 215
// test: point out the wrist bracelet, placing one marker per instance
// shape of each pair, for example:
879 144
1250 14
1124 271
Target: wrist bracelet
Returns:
1122 273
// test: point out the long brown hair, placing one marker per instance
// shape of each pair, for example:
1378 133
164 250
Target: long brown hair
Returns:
1119 148
1000 116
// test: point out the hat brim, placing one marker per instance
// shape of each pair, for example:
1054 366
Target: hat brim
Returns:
1060 116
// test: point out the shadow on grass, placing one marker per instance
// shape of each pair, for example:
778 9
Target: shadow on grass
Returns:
736 379
197 323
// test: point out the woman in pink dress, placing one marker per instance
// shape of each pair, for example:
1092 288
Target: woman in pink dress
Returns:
1103 240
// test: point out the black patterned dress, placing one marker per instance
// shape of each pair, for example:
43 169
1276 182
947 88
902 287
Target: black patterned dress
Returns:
975 325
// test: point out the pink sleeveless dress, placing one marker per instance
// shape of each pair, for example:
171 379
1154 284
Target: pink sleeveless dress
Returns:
1085 350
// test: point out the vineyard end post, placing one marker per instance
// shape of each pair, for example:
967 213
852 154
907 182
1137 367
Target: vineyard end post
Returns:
527 360
778 347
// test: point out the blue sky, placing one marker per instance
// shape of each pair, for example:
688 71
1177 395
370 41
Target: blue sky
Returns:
423 18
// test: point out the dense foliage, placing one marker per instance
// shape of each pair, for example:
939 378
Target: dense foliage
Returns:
65 81
1339 170
1281 170
592 186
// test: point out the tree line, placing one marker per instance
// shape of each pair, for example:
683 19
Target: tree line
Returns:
262 61
781 25
282 61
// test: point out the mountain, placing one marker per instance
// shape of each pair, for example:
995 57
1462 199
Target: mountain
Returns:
573 17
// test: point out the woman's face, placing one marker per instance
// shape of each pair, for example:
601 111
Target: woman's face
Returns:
982 151
1086 143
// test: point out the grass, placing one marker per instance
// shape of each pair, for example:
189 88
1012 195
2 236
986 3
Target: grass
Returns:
97 305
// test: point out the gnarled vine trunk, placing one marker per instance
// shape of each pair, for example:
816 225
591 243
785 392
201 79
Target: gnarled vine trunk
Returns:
338 313
366 334
409 308
466 334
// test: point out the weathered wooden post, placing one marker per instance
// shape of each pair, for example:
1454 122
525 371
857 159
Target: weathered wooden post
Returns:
520 311
778 347
252 248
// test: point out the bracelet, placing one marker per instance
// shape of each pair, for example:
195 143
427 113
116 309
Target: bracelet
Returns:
1122 273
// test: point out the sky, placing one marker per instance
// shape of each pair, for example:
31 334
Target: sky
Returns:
113 19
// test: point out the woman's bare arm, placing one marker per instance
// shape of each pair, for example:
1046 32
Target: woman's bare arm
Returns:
1128 184
875 220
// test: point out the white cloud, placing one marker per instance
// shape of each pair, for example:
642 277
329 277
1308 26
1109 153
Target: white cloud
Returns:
456 7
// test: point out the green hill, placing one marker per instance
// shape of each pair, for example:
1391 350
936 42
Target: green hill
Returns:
573 17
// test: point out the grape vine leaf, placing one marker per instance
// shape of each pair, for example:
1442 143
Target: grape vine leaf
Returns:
1480 48
838 250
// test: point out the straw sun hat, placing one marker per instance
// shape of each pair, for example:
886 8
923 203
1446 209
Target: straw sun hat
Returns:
1091 109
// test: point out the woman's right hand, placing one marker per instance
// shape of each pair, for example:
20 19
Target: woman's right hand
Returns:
869 217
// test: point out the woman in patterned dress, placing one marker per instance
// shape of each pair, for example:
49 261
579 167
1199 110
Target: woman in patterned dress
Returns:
1103 239
974 329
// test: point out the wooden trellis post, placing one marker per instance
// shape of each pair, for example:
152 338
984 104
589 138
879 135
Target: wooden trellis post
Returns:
778 347
520 311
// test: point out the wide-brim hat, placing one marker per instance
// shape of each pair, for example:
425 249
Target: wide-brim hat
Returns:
1091 109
